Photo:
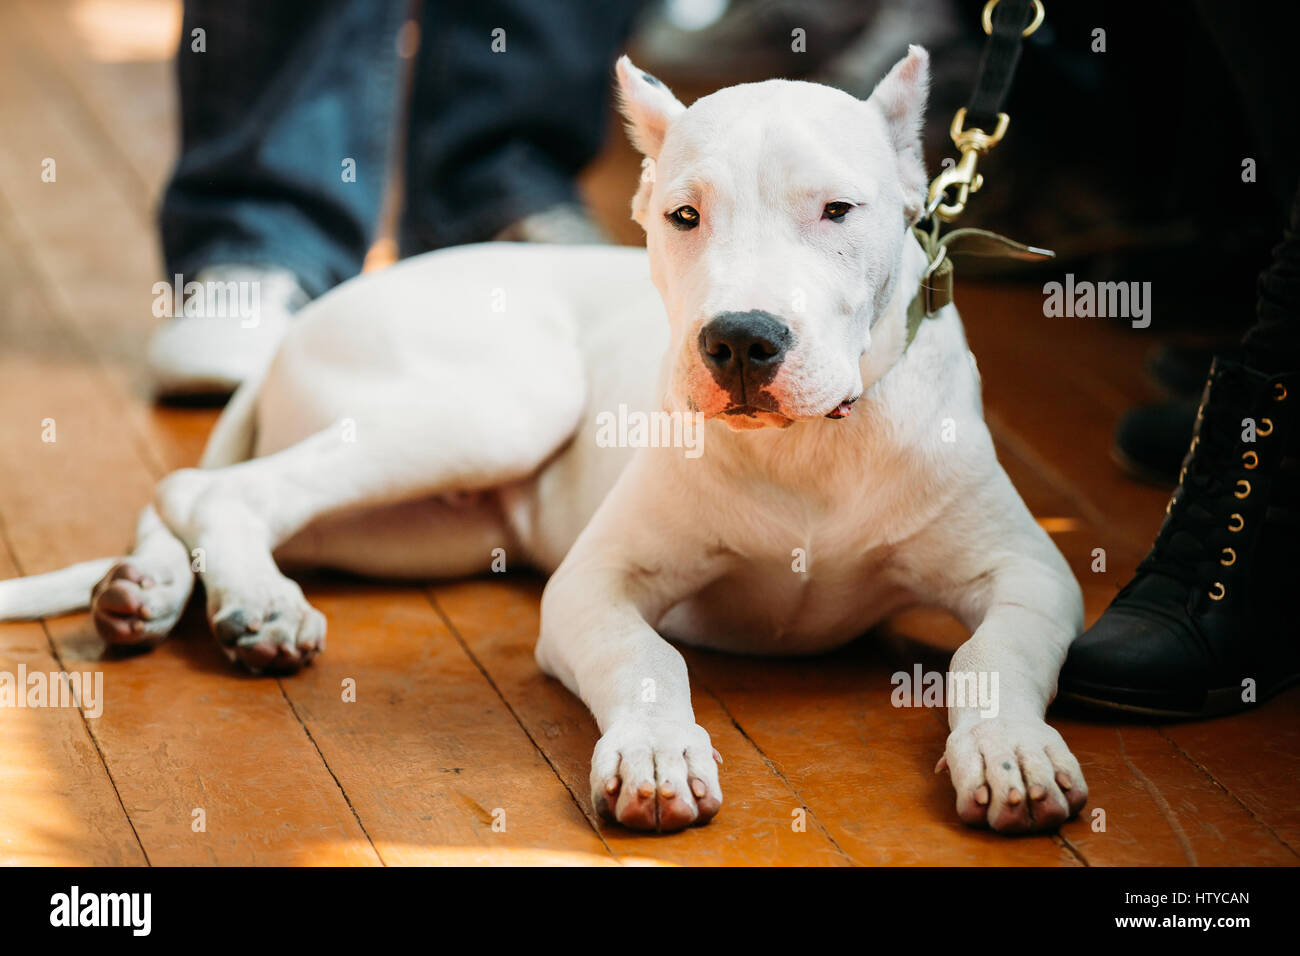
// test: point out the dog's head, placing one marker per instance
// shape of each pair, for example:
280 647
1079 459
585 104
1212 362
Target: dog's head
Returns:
775 215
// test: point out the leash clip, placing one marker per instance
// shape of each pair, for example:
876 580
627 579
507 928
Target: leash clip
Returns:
972 143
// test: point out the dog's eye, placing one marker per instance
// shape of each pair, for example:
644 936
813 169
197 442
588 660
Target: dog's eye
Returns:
836 211
685 217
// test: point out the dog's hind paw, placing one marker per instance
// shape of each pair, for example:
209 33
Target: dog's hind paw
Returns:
1015 776
136 604
276 632
655 775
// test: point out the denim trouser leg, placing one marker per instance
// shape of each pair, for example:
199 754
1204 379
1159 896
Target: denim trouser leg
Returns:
496 136
282 96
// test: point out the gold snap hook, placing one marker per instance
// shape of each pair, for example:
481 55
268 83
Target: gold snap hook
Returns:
986 18
972 143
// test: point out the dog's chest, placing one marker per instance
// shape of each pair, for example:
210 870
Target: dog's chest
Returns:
796 589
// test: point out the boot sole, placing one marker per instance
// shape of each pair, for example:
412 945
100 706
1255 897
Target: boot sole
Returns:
1219 702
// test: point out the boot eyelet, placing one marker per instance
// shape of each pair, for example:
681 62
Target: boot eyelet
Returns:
1281 392
1239 493
1240 522
1250 460
1259 429
1229 557
1217 592
1170 506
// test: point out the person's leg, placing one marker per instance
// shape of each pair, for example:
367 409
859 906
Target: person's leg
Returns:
1273 342
1253 37
509 103
280 99
1206 626
286 124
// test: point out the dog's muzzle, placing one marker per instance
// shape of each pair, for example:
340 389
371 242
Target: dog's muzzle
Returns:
743 351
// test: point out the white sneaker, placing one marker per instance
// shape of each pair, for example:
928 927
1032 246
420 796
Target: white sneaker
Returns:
223 331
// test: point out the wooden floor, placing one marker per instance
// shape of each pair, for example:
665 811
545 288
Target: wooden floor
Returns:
453 725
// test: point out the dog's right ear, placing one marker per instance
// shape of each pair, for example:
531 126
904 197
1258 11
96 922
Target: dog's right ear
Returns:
648 106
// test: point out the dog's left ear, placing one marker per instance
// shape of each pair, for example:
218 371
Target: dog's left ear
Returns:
901 97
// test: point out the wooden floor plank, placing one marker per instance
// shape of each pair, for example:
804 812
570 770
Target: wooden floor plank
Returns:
863 767
58 806
1255 757
1160 808
177 733
434 764
498 620
1053 386
120 64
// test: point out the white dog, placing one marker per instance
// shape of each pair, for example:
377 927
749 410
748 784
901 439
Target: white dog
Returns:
419 419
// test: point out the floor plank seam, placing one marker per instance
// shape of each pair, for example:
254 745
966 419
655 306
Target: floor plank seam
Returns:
330 770
1195 763
446 619
777 770
81 712
1061 840
1161 803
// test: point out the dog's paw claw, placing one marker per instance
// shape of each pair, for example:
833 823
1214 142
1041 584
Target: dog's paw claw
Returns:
655 776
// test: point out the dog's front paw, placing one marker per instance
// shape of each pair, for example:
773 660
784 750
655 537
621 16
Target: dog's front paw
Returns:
1013 775
655 775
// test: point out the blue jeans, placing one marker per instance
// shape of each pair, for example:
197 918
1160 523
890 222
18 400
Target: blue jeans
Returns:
283 95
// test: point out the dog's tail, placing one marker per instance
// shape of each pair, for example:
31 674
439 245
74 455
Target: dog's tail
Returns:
48 595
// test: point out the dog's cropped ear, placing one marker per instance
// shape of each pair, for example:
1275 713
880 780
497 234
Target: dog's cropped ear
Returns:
648 106
901 97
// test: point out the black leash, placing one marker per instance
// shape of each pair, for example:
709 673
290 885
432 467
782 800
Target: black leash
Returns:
1007 23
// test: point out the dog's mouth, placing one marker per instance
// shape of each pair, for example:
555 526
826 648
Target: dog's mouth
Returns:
747 416
843 409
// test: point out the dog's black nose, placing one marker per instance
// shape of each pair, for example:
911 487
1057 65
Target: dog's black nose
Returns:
743 350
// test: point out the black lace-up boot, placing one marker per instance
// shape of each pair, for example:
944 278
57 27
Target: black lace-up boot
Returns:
1211 621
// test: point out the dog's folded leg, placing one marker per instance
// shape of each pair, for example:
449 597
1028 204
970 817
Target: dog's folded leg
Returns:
654 767
233 518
